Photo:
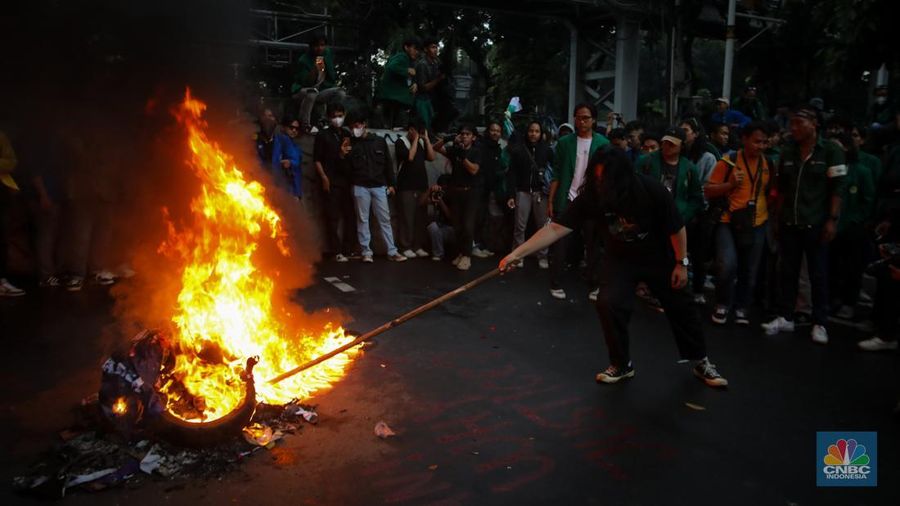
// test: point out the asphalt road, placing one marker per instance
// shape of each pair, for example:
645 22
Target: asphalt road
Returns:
494 402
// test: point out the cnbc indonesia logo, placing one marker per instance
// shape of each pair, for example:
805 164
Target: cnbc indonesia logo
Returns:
847 459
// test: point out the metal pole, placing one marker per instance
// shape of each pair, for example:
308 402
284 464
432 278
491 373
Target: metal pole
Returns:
573 65
729 49
387 326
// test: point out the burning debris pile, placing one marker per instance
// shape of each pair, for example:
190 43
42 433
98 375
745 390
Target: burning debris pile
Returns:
183 400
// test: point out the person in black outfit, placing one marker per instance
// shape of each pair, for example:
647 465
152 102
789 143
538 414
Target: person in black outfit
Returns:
466 187
334 178
528 162
645 241
411 153
491 172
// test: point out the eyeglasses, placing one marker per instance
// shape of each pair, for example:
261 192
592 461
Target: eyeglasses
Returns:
583 118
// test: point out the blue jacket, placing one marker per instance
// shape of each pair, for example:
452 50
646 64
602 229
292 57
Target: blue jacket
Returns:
283 149
731 117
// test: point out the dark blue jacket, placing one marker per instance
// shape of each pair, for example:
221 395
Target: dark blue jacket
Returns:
283 149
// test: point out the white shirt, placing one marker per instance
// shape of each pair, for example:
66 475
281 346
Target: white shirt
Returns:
582 154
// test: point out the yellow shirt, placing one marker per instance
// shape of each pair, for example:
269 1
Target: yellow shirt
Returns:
7 162
747 190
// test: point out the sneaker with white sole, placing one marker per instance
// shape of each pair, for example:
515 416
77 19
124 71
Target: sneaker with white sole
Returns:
104 278
74 283
615 374
464 263
543 263
480 253
720 315
700 299
421 253
779 324
50 281
456 260
877 344
558 293
7 289
708 373
592 296
341 258
367 259
396 257
520 263
819 335
740 317
436 258
409 253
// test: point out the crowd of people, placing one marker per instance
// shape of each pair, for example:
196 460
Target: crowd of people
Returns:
777 215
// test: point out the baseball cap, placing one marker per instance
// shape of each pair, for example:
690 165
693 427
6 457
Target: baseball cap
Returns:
723 99
674 135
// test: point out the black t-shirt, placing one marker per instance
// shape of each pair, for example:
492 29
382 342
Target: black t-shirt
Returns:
413 176
637 234
326 151
460 177
668 175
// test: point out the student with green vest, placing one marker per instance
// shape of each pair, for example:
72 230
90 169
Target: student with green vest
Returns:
676 173
847 253
315 80
811 173
569 165
398 86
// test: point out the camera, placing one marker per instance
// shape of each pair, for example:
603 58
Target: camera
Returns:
879 268
437 195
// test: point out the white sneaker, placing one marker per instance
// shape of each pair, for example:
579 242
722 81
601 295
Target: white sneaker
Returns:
877 344
558 293
520 263
397 258
421 253
456 260
778 325
8 290
819 334
700 299
480 253
368 259
464 263
708 283
436 258
592 296
409 253
543 263
341 258
104 277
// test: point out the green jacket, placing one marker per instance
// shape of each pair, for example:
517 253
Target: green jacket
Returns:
874 164
807 186
305 65
564 166
396 80
858 196
688 189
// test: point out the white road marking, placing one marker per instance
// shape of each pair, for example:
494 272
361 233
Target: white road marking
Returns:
340 285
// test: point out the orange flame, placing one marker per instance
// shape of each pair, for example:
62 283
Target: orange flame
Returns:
226 311
120 406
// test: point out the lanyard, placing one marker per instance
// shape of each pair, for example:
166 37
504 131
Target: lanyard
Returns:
754 190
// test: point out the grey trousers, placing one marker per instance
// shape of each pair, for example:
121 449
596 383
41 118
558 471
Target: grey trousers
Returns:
413 216
311 96
534 205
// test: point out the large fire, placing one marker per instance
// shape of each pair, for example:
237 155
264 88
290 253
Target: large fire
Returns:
226 311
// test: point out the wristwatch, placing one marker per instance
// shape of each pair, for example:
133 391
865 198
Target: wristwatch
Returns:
685 261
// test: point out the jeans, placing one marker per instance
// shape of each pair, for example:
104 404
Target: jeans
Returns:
464 207
615 303
368 199
441 234
737 256
794 243
312 96
534 205
413 220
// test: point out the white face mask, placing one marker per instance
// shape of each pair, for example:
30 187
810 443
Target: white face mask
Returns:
358 132
337 121
880 100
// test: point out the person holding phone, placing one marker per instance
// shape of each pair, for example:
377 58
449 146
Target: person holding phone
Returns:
315 80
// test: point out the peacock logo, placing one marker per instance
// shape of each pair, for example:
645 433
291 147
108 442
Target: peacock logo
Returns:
846 452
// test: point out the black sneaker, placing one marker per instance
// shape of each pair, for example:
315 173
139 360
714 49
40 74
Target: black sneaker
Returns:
615 374
708 373
720 315
741 318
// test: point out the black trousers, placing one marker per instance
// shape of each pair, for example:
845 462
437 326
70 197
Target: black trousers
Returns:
846 260
464 208
561 250
700 242
615 303
5 203
884 313
340 214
